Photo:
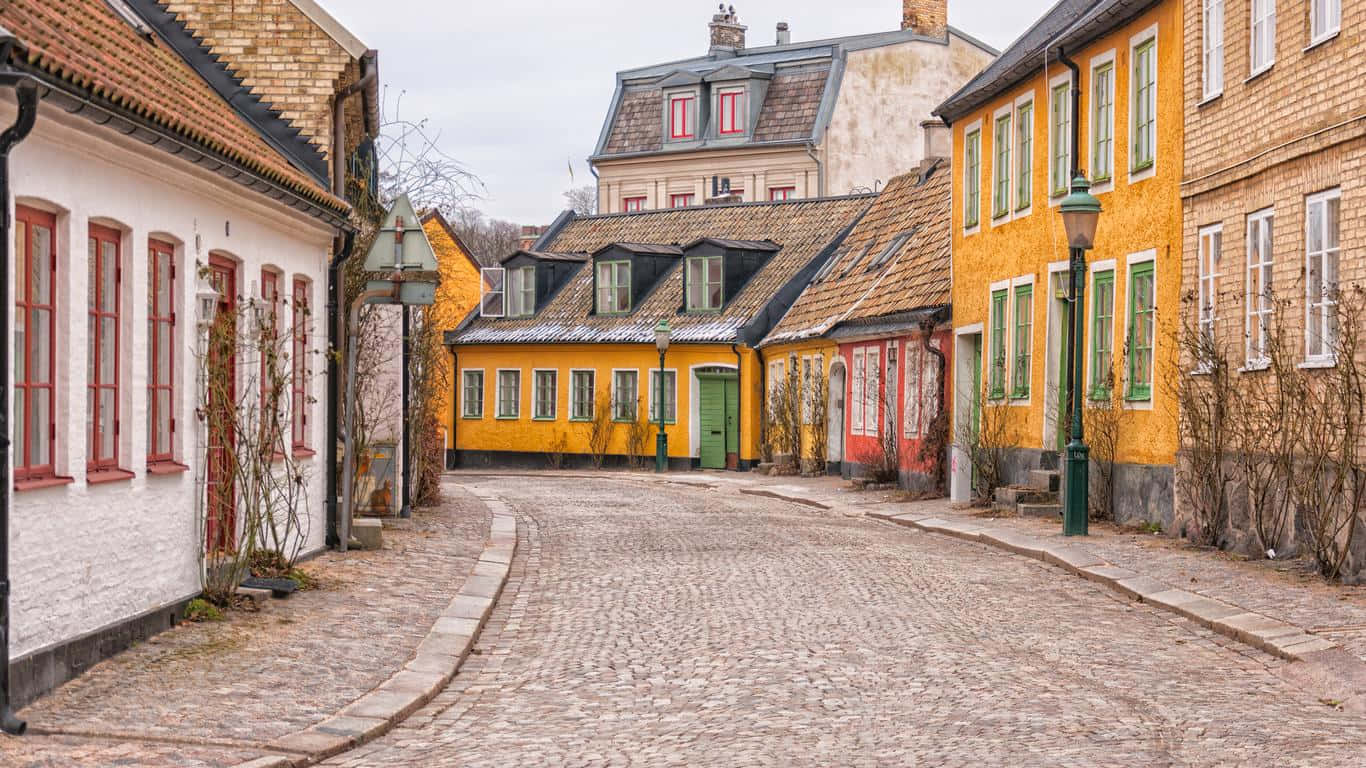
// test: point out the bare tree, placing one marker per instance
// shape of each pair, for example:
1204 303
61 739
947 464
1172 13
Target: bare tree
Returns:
489 239
411 160
583 201
1206 426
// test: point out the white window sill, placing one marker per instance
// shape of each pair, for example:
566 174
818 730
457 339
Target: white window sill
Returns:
1258 73
1210 98
1318 362
1322 39
1253 366
1145 174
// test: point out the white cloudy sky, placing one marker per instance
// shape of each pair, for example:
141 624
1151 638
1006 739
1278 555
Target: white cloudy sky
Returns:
517 89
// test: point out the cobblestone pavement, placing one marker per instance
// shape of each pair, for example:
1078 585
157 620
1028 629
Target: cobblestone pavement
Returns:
650 624
242 682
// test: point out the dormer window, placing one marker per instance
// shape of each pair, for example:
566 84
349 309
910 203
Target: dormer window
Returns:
731 108
683 115
704 283
614 287
522 292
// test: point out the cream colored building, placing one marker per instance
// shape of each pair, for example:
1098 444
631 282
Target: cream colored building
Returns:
790 120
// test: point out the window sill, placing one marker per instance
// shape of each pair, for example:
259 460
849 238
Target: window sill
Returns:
582 419
42 482
1259 73
166 467
467 417
101 476
1097 396
300 452
1025 211
1253 367
1320 362
508 418
1328 38
543 418
1209 99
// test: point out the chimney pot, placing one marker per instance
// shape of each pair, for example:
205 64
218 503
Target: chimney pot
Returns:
926 17
784 33
727 33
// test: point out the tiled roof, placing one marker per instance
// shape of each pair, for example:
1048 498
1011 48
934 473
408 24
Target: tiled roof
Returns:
84 46
639 125
791 106
803 228
914 277
546 256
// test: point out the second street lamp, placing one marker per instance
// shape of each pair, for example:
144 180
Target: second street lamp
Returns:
1080 214
662 332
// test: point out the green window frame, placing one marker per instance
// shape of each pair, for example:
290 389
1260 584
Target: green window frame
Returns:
972 179
996 372
1102 121
1024 337
614 287
1061 139
509 394
670 396
544 391
522 294
472 394
1024 156
582 385
1000 195
1142 332
625 395
705 283
1102 333
1144 110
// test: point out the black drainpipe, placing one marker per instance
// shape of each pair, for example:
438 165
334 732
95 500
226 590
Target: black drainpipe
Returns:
739 418
26 91
455 406
1072 362
336 286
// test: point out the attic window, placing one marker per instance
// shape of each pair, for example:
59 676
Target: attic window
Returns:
491 292
856 260
891 250
134 20
614 287
731 106
522 299
704 283
682 115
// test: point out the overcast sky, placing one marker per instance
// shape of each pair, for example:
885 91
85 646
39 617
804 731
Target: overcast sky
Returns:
518 89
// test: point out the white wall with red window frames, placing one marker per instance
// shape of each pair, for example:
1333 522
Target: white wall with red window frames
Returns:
86 556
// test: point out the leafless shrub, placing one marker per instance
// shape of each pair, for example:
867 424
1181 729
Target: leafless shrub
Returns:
638 452
427 379
1102 434
554 458
882 460
987 447
818 412
934 443
1265 437
785 421
600 430
1206 434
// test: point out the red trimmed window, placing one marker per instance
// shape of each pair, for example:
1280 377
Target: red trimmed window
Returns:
680 201
681 114
299 367
633 204
781 193
270 319
35 425
102 390
161 351
732 104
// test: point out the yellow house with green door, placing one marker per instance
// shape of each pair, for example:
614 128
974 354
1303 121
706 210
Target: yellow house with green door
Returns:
559 363
1013 129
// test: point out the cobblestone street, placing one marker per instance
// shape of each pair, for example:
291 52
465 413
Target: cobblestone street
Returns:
653 624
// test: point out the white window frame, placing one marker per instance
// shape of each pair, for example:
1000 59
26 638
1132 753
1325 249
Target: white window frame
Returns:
706 262
872 395
973 127
498 396
775 375
911 390
1332 21
806 393
536 394
1261 228
1268 36
1008 114
654 390
489 288
592 400
856 391
1097 62
598 287
1027 161
635 411
1325 302
1208 253
1212 49
1134 42
464 400
1131 261
519 304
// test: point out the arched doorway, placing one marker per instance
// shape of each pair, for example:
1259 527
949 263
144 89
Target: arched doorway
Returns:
835 423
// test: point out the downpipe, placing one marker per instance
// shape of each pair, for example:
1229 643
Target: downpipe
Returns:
336 333
348 452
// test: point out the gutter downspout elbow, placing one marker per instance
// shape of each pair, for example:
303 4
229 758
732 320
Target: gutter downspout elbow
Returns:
820 169
339 127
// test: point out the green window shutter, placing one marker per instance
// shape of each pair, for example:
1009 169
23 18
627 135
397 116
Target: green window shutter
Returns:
1102 333
1024 329
1142 332
996 374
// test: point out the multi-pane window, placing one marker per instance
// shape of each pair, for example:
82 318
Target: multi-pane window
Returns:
1212 36
972 179
670 396
544 385
492 291
1102 121
1024 336
1000 179
996 365
625 395
1321 266
522 291
1258 298
298 395
1024 156
806 391
1211 242
704 283
910 426
35 270
472 394
872 390
856 393
682 113
732 108
269 330
680 201
778 194
1102 333
1144 110
633 204
509 394
102 387
1060 139
614 287
775 376
160 350
581 395
1263 35
1142 331
1325 19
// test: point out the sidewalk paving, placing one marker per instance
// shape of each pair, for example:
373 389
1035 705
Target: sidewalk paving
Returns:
215 693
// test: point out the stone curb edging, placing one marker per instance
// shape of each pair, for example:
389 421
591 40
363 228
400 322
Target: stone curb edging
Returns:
433 665
1264 633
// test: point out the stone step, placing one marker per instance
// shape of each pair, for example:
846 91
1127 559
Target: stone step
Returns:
1047 480
1013 495
1039 510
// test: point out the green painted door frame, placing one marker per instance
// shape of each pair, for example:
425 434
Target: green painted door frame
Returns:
718 419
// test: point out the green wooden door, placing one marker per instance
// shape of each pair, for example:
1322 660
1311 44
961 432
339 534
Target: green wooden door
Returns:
732 423
712 422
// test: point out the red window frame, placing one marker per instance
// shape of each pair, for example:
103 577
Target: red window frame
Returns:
632 204
104 315
27 465
161 318
729 103
299 367
681 201
680 107
779 194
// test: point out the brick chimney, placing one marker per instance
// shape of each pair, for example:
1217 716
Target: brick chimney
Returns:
528 237
727 33
926 17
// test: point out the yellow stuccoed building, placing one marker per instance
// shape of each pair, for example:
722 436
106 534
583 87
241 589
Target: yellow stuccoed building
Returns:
456 296
1012 142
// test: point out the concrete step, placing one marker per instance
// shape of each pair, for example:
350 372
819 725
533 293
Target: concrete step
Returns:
1047 480
1040 510
1014 495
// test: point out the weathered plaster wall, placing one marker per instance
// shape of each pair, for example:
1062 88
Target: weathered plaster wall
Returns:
457 294
85 557
874 132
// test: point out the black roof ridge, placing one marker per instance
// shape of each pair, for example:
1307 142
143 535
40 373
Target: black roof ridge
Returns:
267 121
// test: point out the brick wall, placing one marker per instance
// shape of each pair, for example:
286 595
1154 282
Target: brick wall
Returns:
926 17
